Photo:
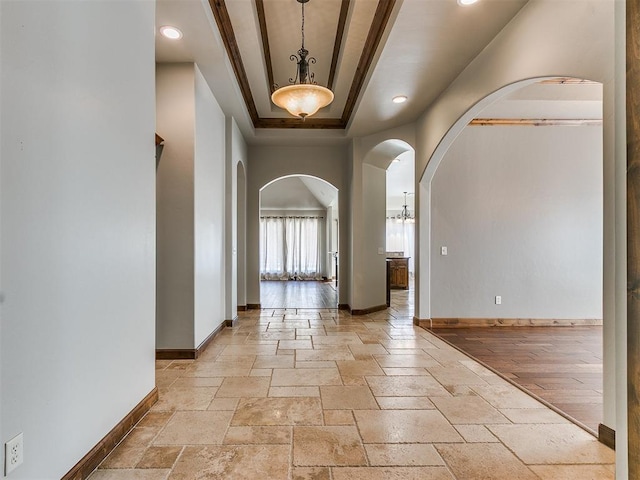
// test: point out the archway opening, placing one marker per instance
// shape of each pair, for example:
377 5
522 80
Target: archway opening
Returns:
299 232
512 201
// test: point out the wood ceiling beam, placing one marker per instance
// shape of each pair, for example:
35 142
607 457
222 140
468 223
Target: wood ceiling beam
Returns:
536 122
223 21
380 20
337 45
266 51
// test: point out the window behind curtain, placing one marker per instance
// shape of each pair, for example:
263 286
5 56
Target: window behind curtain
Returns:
290 248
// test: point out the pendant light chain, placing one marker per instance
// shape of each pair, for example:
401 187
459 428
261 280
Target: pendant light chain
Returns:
303 25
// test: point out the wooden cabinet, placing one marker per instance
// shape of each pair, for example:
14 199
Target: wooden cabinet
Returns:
399 273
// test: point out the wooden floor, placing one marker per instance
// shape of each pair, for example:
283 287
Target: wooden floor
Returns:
298 294
562 365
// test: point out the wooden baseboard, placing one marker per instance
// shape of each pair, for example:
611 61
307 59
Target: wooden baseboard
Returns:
231 323
504 322
253 306
242 308
344 306
365 311
607 436
97 454
189 353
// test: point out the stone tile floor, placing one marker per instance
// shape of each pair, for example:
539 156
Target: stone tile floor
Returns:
318 394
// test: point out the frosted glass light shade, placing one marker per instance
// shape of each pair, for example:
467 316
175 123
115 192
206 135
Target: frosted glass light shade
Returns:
302 100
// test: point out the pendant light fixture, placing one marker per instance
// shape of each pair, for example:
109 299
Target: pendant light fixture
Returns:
303 97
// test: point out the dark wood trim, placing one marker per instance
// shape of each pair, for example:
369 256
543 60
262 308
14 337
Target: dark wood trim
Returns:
189 353
344 306
506 322
607 436
266 51
221 15
97 454
633 233
159 139
242 308
291 122
378 25
175 354
535 122
365 311
231 323
376 31
253 306
337 45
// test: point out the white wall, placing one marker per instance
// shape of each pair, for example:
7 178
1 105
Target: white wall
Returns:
268 163
520 210
236 157
209 212
191 210
77 222
175 122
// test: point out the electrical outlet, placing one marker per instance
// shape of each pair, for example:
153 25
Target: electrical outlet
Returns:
13 454
498 300
444 251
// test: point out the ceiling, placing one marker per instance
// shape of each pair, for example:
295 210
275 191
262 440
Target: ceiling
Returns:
368 51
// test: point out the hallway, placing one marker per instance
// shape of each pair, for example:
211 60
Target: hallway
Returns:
298 294
319 394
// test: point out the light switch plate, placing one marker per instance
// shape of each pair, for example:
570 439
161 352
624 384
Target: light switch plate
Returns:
444 251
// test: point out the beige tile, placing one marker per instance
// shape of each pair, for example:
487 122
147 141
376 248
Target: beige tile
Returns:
243 387
406 361
359 367
575 472
278 411
164 378
354 380
368 349
184 398
155 419
547 444
294 392
405 403
150 474
404 426
321 446
260 372
273 361
338 417
468 410
505 396
336 340
411 455
295 344
311 473
258 435
406 387
218 369
255 349
140 436
409 371
486 461
195 428
189 382
159 457
328 354
347 398
392 473
223 404
458 375
316 364
476 434
237 462
533 415
123 457
290 377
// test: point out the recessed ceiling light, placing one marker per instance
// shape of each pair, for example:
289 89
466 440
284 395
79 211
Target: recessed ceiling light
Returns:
399 99
170 32
464 3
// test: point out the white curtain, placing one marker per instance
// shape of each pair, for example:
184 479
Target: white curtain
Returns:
290 248
401 238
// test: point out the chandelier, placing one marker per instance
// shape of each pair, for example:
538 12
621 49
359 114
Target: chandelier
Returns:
303 97
405 215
